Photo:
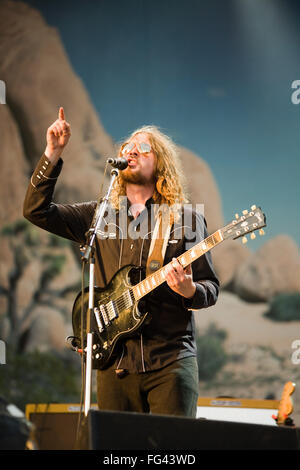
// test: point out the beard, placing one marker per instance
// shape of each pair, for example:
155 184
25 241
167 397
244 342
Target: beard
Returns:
136 178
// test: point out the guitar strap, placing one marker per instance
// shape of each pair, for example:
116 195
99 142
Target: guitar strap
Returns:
159 241
156 254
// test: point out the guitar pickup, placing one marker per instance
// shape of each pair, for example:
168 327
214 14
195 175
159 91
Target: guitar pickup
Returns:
98 319
112 310
104 315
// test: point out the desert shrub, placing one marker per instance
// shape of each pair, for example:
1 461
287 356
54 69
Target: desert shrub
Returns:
211 354
39 377
284 307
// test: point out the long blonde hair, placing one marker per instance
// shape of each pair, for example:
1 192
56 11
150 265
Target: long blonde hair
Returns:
170 182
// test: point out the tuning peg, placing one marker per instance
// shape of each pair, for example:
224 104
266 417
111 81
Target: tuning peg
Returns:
261 232
252 236
244 239
236 216
253 208
245 212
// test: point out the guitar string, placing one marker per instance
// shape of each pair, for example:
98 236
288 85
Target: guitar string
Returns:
121 302
187 254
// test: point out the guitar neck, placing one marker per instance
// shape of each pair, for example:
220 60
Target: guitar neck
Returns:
158 277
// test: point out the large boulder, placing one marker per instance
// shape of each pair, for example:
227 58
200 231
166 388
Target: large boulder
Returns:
273 269
12 189
202 188
14 168
227 259
39 79
48 331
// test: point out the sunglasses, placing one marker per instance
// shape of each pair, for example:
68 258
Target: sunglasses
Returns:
142 147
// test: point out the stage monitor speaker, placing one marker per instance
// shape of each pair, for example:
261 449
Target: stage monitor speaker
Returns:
106 430
14 433
55 425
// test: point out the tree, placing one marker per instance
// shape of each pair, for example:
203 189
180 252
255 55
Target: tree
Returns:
28 244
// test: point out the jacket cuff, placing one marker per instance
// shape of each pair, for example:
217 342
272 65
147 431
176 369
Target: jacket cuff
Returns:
193 302
45 172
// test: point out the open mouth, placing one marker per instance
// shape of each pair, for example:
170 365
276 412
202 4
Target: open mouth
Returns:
131 162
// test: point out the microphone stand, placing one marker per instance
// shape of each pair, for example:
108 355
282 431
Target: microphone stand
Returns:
88 256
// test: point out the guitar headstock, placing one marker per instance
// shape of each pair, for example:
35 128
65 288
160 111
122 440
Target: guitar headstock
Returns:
247 223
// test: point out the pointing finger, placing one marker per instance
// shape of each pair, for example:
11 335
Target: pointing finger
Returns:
61 114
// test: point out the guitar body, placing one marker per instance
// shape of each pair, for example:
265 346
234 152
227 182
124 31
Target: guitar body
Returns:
120 311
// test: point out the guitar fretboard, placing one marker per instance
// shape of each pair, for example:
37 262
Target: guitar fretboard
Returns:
158 277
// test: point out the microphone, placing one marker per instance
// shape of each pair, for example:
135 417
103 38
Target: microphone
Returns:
120 163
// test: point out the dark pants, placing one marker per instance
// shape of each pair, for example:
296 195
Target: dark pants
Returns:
172 390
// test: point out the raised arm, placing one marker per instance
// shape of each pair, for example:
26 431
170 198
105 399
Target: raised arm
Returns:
67 220
58 135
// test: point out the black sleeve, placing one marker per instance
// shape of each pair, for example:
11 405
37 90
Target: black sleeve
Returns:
70 221
204 276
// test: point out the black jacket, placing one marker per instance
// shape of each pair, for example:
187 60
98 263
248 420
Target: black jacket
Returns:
170 335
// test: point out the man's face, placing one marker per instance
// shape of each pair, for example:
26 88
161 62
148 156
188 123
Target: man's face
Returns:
141 166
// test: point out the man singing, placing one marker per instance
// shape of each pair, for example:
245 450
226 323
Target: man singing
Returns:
155 370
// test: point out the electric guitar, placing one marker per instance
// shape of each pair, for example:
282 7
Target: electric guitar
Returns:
116 313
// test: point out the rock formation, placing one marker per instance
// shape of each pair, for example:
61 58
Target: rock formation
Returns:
14 168
39 79
273 269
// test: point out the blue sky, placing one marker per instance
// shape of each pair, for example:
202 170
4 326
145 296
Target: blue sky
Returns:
214 74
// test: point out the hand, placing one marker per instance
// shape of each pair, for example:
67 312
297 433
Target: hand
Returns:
58 135
180 280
